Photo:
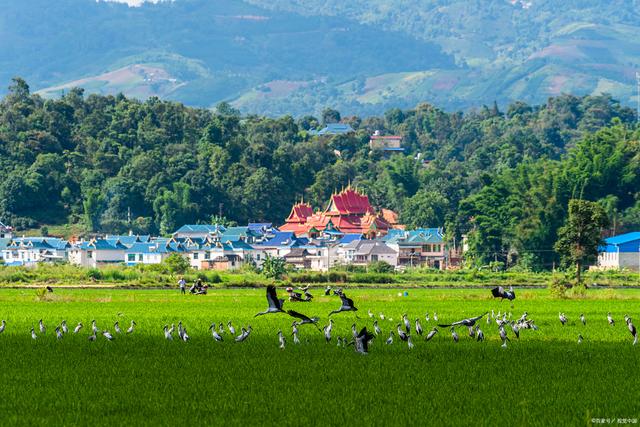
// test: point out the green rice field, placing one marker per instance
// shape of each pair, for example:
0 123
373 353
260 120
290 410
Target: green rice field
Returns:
543 378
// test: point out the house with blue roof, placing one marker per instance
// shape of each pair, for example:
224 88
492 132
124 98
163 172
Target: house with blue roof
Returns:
153 252
244 234
423 247
3 245
29 251
333 129
278 246
622 251
199 230
96 252
219 255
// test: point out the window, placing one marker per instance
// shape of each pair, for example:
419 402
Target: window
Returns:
195 255
131 257
140 257
89 254
258 257
374 258
207 255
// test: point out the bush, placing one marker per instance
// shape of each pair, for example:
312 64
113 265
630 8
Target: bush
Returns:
380 267
177 264
559 286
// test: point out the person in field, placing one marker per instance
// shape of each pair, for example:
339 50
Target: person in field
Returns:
182 284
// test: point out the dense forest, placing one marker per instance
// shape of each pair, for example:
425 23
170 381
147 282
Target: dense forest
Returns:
502 177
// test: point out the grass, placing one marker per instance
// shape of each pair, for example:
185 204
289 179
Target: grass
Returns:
545 378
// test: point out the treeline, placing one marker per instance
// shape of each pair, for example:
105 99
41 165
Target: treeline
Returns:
502 177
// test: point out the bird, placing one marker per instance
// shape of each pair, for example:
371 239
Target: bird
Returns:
610 319
304 320
185 336
381 315
77 328
327 291
418 327
94 327
563 318
116 327
407 324
362 341
410 342
275 304
63 326
472 332
43 329
180 330
401 333
580 338
296 338
499 292
465 322
327 333
92 337
370 313
354 331
33 334
426 317
503 337
244 333
339 341
131 328
58 333
214 333
281 339
232 330
390 339
167 333
376 328
633 331
515 329
107 335
454 335
431 334
583 319
489 317
479 333
330 325
347 305
435 316
3 325
221 330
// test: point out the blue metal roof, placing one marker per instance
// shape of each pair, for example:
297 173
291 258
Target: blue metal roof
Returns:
103 244
200 228
333 129
348 238
285 239
623 238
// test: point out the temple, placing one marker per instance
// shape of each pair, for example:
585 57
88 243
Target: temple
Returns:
349 212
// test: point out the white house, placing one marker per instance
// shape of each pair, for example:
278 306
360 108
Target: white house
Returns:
29 251
368 251
5 231
153 252
96 252
621 251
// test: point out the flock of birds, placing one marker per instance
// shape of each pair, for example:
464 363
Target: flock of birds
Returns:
360 339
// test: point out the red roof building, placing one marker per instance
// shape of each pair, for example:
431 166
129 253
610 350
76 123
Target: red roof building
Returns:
348 212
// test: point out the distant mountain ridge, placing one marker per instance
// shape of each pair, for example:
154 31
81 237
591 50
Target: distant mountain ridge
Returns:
299 56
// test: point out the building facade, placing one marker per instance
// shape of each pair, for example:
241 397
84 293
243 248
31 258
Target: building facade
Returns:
620 252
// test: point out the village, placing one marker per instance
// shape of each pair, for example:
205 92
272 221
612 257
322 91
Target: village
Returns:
349 232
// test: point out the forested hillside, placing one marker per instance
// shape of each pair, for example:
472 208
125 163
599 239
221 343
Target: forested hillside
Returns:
299 56
504 177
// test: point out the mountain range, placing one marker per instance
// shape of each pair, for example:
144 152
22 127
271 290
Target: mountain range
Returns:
300 56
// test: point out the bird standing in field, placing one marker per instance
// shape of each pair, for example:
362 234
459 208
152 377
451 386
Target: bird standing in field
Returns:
43 329
281 339
243 335
370 313
214 333
116 327
426 317
347 304
407 324
327 333
180 330
583 319
472 332
418 327
296 337
435 316
33 334
94 327
389 340
327 291
431 334
515 329
64 327
232 330
610 320
131 327
3 325
167 333
58 333
376 328
108 335
221 330
633 331
563 318
185 336
454 334
580 338
401 333
77 328
92 337
503 337
479 333
410 342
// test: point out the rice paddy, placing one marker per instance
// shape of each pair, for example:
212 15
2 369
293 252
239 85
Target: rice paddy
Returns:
543 378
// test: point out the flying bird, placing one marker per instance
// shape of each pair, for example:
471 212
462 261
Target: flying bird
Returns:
465 322
304 320
362 341
347 305
275 304
499 292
